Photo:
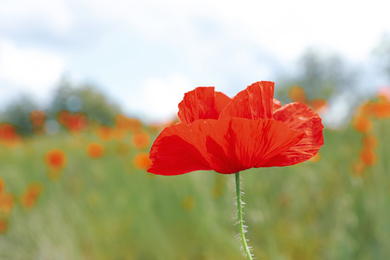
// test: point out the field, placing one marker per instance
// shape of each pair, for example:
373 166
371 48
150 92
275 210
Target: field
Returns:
104 205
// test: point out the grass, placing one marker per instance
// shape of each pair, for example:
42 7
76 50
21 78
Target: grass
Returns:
107 209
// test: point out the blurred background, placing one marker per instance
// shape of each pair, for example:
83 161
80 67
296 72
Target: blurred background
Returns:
86 86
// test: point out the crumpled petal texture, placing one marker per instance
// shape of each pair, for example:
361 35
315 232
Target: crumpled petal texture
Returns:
255 102
299 117
202 103
226 146
229 135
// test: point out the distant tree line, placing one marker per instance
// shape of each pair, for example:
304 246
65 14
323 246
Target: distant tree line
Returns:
327 75
76 98
320 75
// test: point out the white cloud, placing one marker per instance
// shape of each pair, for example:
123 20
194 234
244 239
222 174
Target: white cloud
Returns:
219 43
54 14
158 98
30 69
284 28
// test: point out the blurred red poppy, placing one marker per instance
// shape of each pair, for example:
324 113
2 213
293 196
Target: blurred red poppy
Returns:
9 135
230 135
3 226
104 133
319 105
31 195
142 161
381 109
75 123
368 156
297 94
127 123
2 185
55 159
6 203
95 150
362 124
141 140
370 141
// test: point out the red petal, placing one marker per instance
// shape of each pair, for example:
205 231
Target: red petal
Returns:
226 145
174 151
277 104
242 144
255 102
299 117
202 103
221 101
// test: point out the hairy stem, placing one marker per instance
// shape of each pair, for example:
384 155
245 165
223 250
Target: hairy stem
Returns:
240 220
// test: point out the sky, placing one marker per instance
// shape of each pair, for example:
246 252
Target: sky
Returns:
146 54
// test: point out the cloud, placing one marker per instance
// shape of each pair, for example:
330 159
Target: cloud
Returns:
53 14
282 27
31 70
127 44
53 24
158 98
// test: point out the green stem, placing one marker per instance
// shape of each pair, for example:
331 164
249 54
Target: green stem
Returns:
240 220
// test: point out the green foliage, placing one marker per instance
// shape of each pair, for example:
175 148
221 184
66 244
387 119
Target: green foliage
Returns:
83 98
18 114
107 209
320 74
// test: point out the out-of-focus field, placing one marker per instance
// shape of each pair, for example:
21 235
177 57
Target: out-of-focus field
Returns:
102 204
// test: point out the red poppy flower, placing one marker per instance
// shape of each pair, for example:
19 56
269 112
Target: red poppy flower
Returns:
368 156
6 203
95 150
142 161
55 159
3 225
31 195
2 185
141 140
227 135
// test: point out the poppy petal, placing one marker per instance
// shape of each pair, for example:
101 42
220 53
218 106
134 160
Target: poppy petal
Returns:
202 103
299 117
226 145
242 143
174 151
277 104
255 102
221 101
